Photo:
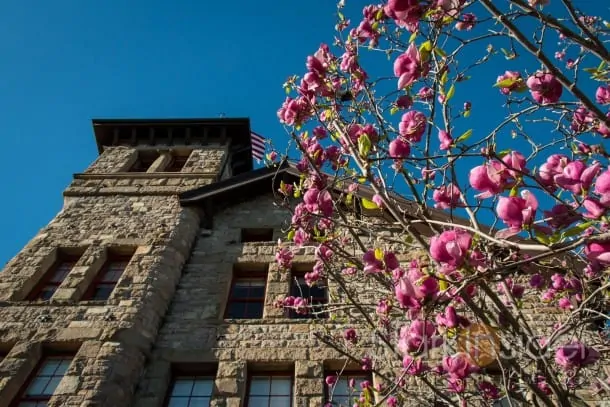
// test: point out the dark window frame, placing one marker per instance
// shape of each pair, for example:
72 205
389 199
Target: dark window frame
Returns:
21 396
194 370
99 280
298 288
247 274
144 161
271 373
345 375
253 235
177 163
48 279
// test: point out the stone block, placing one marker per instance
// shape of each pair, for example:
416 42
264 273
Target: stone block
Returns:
78 334
68 385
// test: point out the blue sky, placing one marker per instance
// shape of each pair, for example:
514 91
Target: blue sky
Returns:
66 62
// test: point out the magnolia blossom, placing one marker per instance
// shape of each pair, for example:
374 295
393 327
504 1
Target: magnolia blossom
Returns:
294 111
575 354
489 178
409 67
515 163
404 102
602 94
412 287
514 80
576 177
467 21
317 201
446 196
412 125
544 87
350 335
399 149
458 366
406 13
445 139
413 366
419 336
517 212
598 251
450 247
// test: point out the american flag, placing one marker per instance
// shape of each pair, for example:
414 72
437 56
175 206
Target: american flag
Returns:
258 145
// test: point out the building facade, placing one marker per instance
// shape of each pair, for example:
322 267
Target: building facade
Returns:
154 285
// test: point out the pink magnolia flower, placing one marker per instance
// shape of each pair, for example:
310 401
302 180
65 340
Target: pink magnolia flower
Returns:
544 87
378 200
419 336
489 178
366 363
446 196
317 201
576 176
412 125
284 257
409 67
331 380
294 111
602 187
581 119
450 247
515 163
392 401
350 335
560 216
488 390
413 366
598 251
602 95
425 93
445 139
467 22
411 288
406 13
399 149
536 281
517 212
514 78
575 354
404 102
594 209
449 318
458 366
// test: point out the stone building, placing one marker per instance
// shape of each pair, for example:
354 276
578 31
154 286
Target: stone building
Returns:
154 285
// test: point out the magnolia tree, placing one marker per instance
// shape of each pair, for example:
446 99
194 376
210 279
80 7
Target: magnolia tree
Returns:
478 129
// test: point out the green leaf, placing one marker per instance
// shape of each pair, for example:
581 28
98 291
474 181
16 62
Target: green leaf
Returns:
576 230
287 90
393 110
467 113
366 204
290 235
514 191
378 254
444 77
364 145
450 93
341 16
426 46
439 51
505 83
413 37
464 136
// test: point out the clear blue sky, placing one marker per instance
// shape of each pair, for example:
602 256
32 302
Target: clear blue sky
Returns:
66 62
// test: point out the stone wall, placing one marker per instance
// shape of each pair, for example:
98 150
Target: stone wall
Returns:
106 209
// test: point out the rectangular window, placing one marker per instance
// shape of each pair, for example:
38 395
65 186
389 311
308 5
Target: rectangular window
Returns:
40 387
53 278
247 296
257 235
177 163
342 394
269 390
191 391
316 296
107 278
144 161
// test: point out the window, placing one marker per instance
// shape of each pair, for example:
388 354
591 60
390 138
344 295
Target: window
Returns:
257 235
107 278
191 391
270 390
247 296
144 161
177 163
316 297
40 387
341 394
53 278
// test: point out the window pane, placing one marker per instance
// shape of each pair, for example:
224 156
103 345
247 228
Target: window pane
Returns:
258 402
102 292
203 387
283 401
63 367
341 401
280 386
37 386
341 387
47 292
178 402
254 310
49 367
52 385
237 310
259 386
199 402
182 387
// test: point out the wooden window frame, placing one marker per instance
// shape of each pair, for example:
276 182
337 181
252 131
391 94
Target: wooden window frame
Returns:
253 235
144 161
270 373
246 273
20 397
99 277
47 279
296 277
345 375
204 370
